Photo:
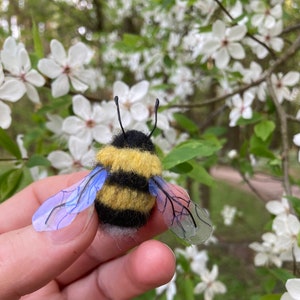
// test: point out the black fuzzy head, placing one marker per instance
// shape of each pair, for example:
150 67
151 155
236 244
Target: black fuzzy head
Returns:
133 139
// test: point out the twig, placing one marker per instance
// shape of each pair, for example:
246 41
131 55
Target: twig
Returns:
252 188
284 136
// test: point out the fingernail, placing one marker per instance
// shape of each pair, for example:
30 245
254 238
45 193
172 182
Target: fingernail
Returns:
72 231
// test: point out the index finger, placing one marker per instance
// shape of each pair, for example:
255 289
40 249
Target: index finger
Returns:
17 211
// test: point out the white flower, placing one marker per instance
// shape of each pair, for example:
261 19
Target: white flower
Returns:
209 285
132 100
276 207
270 38
252 74
281 84
197 259
16 61
64 67
287 228
182 78
241 107
228 213
10 90
80 157
232 154
265 16
293 289
268 252
223 43
89 122
169 288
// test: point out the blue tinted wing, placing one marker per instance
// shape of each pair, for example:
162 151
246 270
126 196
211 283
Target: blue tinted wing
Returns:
61 209
185 218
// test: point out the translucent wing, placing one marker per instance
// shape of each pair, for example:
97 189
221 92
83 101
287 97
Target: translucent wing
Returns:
61 209
185 218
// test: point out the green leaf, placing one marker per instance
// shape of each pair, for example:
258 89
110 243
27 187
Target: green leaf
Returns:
10 182
182 168
264 129
262 151
188 150
8 144
188 289
200 174
131 42
186 123
271 297
38 45
295 203
281 274
259 148
37 160
255 118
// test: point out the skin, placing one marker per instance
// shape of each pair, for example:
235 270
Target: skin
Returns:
80 261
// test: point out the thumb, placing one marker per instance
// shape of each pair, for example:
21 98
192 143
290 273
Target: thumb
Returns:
30 259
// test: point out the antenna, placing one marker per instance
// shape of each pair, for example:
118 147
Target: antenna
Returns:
155 116
119 115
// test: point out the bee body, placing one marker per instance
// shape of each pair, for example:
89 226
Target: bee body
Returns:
124 187
125 200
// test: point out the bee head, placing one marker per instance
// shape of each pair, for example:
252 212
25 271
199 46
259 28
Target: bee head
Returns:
134 138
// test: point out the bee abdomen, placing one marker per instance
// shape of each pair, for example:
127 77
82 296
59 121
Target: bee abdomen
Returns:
123 218
129 180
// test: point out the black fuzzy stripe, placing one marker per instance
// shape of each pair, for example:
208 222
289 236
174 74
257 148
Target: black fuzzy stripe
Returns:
130 180
122 218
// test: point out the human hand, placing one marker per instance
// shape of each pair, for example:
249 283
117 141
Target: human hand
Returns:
79 261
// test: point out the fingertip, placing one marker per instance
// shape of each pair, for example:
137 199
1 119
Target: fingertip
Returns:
154 264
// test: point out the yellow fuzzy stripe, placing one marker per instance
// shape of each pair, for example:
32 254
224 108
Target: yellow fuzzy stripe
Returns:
143 163
120 198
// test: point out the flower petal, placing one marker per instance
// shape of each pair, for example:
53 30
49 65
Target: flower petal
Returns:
78 85
102 134
12 90
60 86
77 147
139 112
296 139
139 91
210 46
222 58
58 52
5 115
60 159
293 287
49 68
218 29
82 107
236 50
77 54
35 78
73 125
236 33
24 60
291 78
32 93
121 90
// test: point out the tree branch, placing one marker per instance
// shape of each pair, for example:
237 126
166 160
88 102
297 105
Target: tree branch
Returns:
284 136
